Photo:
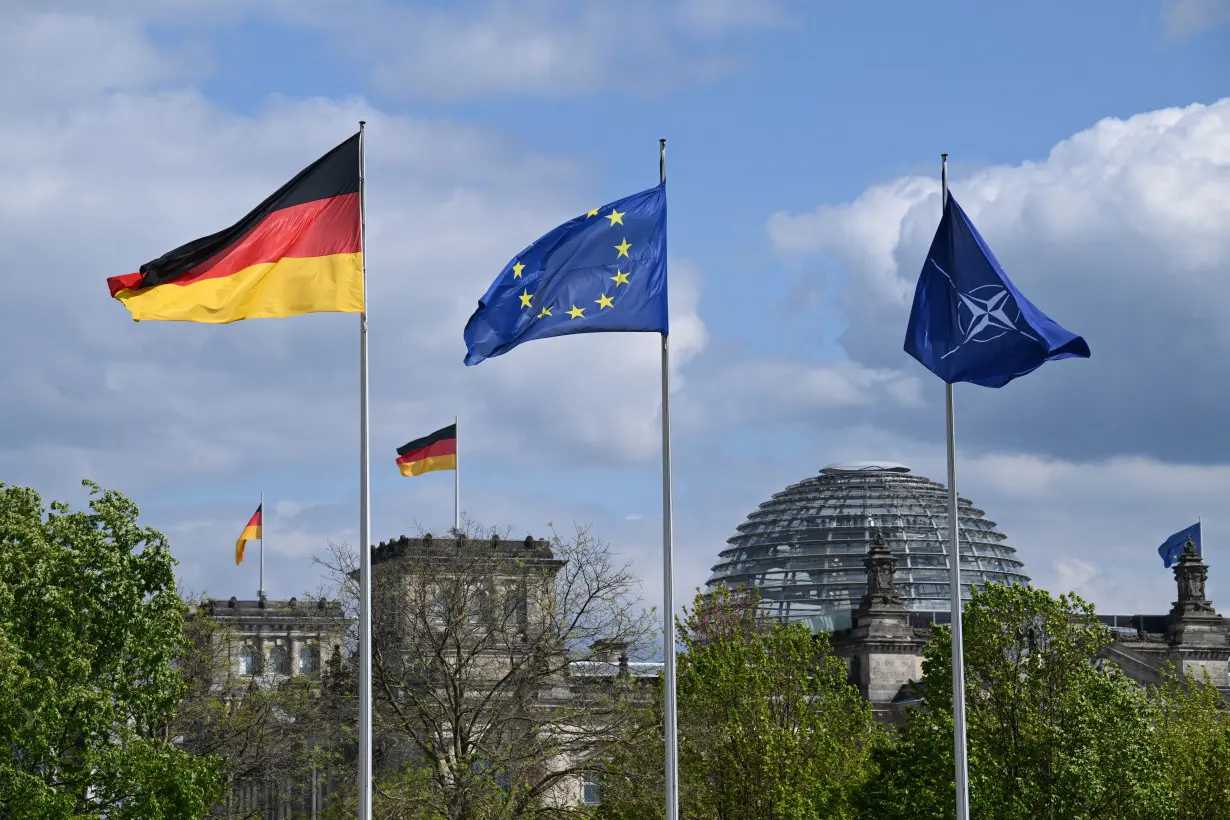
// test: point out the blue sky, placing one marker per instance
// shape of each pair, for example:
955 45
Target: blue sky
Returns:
801 138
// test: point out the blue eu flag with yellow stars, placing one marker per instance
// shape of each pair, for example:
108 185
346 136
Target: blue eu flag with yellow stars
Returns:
969 323
1173 547
603 271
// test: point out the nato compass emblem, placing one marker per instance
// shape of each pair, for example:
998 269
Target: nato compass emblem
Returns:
986 313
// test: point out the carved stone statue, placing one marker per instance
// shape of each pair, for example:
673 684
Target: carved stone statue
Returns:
1190 575
880 564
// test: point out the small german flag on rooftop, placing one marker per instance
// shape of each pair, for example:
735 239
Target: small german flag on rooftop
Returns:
300 251
250 533
437 451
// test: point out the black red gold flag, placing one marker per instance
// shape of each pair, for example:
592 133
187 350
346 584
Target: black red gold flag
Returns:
437 451
250 533
300 251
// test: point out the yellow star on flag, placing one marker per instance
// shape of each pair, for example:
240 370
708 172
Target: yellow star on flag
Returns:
525 297
620 278
623 248
577 313
517 268
604 302
545 312
594 212
616 217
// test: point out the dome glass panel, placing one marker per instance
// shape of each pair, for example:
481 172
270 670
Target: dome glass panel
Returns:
803 549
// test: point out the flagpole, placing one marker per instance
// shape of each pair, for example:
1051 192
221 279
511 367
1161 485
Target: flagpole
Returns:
457 473
954 581
260 591
668 593
365 515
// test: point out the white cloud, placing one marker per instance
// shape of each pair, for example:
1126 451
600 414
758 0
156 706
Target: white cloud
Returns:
1119 234
462 50
50 57
549 48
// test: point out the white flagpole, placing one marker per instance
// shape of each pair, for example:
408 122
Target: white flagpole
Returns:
457 473
365 517
260 591
668 592
954 580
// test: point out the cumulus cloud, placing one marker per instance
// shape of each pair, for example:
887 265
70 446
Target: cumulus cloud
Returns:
1119 234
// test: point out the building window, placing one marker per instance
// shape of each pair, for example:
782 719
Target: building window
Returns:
279 659
589 790
247 660
309 659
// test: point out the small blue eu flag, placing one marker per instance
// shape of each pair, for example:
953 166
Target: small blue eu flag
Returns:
1172 549
969 323
602 271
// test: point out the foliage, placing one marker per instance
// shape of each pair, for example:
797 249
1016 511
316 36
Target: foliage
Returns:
1193 731
1052 733
769 726
475 702
91 629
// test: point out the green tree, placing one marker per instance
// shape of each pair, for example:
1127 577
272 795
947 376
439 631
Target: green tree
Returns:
91 630
1193 730
1051 732
769 726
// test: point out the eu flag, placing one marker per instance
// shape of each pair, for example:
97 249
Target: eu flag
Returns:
969 323
1173 548
603 271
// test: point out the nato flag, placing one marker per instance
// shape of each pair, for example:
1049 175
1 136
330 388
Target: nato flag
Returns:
969 323
603 271
1173 548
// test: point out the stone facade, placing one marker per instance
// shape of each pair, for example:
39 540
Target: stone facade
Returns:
884 647
278 638
509 587
264 641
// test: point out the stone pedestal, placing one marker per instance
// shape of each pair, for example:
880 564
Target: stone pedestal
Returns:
1196 633
885 654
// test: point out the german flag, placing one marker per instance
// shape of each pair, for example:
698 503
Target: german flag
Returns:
435 452
250 533
300 251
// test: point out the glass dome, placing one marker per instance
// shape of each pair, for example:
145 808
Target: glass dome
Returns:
803 549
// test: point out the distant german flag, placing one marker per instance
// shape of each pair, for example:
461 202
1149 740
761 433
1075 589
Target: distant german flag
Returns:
250 533
300 251
435 452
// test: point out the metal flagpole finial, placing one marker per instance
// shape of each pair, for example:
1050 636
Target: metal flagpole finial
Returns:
944 180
